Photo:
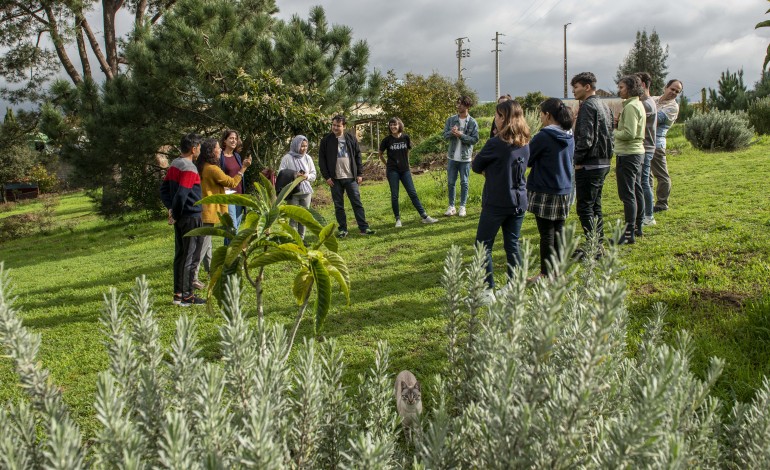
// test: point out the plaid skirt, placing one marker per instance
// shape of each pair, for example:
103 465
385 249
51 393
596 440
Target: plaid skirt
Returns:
548 206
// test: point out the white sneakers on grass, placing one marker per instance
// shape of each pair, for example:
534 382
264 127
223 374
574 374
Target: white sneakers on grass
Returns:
450 211
429 220
398 223
648 220
461 212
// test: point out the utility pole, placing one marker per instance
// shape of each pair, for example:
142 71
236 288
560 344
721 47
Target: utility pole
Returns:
497 51
565 59
461 53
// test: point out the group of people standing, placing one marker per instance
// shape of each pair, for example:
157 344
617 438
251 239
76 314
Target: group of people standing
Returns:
568 156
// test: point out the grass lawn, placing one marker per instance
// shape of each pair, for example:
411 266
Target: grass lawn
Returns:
707 259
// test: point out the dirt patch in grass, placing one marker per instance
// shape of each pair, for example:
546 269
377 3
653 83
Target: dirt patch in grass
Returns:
722 259
730 300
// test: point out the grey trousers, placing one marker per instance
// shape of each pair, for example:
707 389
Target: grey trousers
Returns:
299 200
205 253
659 170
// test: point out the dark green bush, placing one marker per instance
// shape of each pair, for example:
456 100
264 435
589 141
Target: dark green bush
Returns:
759 115
719 130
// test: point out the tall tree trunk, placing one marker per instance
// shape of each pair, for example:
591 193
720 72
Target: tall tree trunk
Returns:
109 10
141 7
82 49
97 49
59 45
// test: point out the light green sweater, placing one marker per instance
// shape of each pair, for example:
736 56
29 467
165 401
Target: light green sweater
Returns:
629 137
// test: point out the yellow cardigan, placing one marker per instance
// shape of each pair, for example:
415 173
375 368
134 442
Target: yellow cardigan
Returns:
214 181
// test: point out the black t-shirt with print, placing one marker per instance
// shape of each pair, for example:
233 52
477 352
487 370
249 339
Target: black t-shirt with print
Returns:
398 152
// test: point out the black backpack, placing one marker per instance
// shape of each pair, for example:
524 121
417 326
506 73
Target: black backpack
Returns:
284 178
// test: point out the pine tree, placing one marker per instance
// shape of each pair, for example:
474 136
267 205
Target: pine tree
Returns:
731 94
647 55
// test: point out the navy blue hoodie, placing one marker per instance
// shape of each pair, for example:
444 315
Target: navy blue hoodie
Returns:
550 157
504 166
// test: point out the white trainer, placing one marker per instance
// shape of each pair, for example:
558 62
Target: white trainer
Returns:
450 211
649 221
398 223
461 213
429 220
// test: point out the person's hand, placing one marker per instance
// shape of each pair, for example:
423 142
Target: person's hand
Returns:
359 179
330 182
578 167
246 163
303 175
171 220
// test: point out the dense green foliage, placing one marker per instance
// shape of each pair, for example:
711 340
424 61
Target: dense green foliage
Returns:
422 103
731 94
719 130
686 109
207 67
646 55
759 115
531 101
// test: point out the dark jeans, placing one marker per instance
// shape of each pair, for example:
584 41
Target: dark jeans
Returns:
588 197
548 230
629 176
349 186
405 178
490 221
187 254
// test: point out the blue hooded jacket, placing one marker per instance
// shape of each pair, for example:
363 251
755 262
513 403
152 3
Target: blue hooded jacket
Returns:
550 157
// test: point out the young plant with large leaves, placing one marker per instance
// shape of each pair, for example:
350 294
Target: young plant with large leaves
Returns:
264 238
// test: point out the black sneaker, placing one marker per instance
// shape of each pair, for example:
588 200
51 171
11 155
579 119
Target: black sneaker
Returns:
192 300
342 234
368 232
659 208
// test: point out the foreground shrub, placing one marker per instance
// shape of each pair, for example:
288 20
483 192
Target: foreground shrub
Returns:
542 377
719 130
759 115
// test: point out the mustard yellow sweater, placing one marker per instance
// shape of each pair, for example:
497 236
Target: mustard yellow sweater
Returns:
214 181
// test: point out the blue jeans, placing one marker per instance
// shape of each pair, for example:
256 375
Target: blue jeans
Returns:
236 213
349 186
405 178
647 184
490 221
452 169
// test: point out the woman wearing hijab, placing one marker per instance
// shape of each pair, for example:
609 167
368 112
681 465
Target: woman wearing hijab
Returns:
298 160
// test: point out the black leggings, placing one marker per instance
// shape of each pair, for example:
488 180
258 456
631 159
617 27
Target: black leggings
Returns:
548 230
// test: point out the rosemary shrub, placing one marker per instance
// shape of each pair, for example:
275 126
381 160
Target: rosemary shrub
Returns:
542 377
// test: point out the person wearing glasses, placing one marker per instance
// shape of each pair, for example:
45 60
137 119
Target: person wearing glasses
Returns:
668 110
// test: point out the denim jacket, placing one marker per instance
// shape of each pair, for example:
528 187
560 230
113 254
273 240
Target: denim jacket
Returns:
469 137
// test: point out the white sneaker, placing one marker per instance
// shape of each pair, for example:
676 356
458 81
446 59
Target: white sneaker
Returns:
488 297
648 221
462 211
398 223
450 211
429 220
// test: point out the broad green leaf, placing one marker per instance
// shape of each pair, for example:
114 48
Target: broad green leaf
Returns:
302 216
327 238
230 199
283 230
267 186
272 256
250 220
237 244
340 278
271 216
339 264
763 24
286 190
211 231
303 281
323 285
227 222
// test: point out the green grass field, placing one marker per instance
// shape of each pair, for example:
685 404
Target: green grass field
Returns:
708 260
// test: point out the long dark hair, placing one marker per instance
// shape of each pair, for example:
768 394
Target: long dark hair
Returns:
558 111
207 154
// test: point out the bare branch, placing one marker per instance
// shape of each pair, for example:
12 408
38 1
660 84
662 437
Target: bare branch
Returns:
97 49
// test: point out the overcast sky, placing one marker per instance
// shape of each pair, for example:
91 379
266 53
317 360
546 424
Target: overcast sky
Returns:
705 37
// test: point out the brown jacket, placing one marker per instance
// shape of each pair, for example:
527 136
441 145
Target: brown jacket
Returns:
214 181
